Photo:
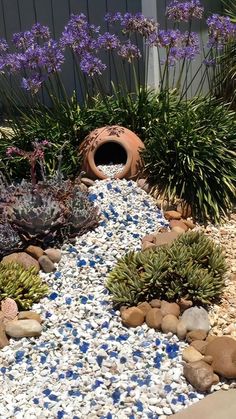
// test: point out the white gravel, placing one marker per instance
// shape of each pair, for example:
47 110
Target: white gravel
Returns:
110 170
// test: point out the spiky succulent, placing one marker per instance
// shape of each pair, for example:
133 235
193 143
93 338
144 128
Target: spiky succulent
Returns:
193 267
82 215
36 216
48 213
25 287
9 240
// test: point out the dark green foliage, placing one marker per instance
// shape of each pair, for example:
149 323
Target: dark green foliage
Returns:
23 286
65 130
191 155
193 267
49 213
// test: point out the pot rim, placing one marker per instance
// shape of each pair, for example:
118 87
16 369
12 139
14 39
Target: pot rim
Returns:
121 142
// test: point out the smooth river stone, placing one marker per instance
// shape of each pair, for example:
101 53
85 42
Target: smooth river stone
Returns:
23 328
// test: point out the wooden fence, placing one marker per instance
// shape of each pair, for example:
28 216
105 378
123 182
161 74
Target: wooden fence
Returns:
19 15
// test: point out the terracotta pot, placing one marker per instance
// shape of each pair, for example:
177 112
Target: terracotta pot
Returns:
111 144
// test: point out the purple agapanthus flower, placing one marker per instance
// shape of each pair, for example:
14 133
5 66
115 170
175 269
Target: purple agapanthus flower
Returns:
113 17
40 31
220 30
91 65
14 62
33 83
137 22
23 40
129 51
79 35
166 38
3 46
52 56
108 41
184 10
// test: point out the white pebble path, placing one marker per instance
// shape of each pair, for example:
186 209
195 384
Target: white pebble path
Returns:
86 363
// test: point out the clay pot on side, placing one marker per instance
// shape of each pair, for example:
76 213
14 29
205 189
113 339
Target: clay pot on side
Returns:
114 144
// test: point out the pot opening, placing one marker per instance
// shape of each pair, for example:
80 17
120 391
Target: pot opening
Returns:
110 153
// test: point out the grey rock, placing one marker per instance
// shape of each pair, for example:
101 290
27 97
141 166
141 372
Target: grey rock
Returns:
195 318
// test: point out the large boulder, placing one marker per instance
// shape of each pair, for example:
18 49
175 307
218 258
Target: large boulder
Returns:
223 351
170 308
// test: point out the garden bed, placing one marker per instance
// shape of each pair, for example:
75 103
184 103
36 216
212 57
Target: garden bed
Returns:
86 363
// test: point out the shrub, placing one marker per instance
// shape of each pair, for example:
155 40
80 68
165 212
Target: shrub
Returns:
191 155
192 267
23 286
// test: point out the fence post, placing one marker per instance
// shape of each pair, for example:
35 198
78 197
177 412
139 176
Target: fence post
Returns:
149 9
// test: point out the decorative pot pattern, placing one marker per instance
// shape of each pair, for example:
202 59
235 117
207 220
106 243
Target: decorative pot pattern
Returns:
112 144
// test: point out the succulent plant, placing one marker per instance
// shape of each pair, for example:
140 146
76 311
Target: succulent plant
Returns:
9 240
36 216
25 287
193 267
81 214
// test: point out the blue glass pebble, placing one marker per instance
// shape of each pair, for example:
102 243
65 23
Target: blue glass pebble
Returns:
43 359
3 370
84 347
76 341
53 397
192 396
181 398
47 391
46 405
92 197
116 396
53 296
48 315
92 263
60 414
74 393
83 300
35 400
68 301
97 384
81 263
100 360
105 325
167 388
109 186
123 360
61 376
69 374
139 406
19 354
57 275
174 401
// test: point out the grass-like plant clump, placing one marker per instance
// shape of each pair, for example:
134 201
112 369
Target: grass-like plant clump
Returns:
191 155
25 287
193 267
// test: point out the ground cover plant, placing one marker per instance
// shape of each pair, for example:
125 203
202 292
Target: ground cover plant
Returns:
193 267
